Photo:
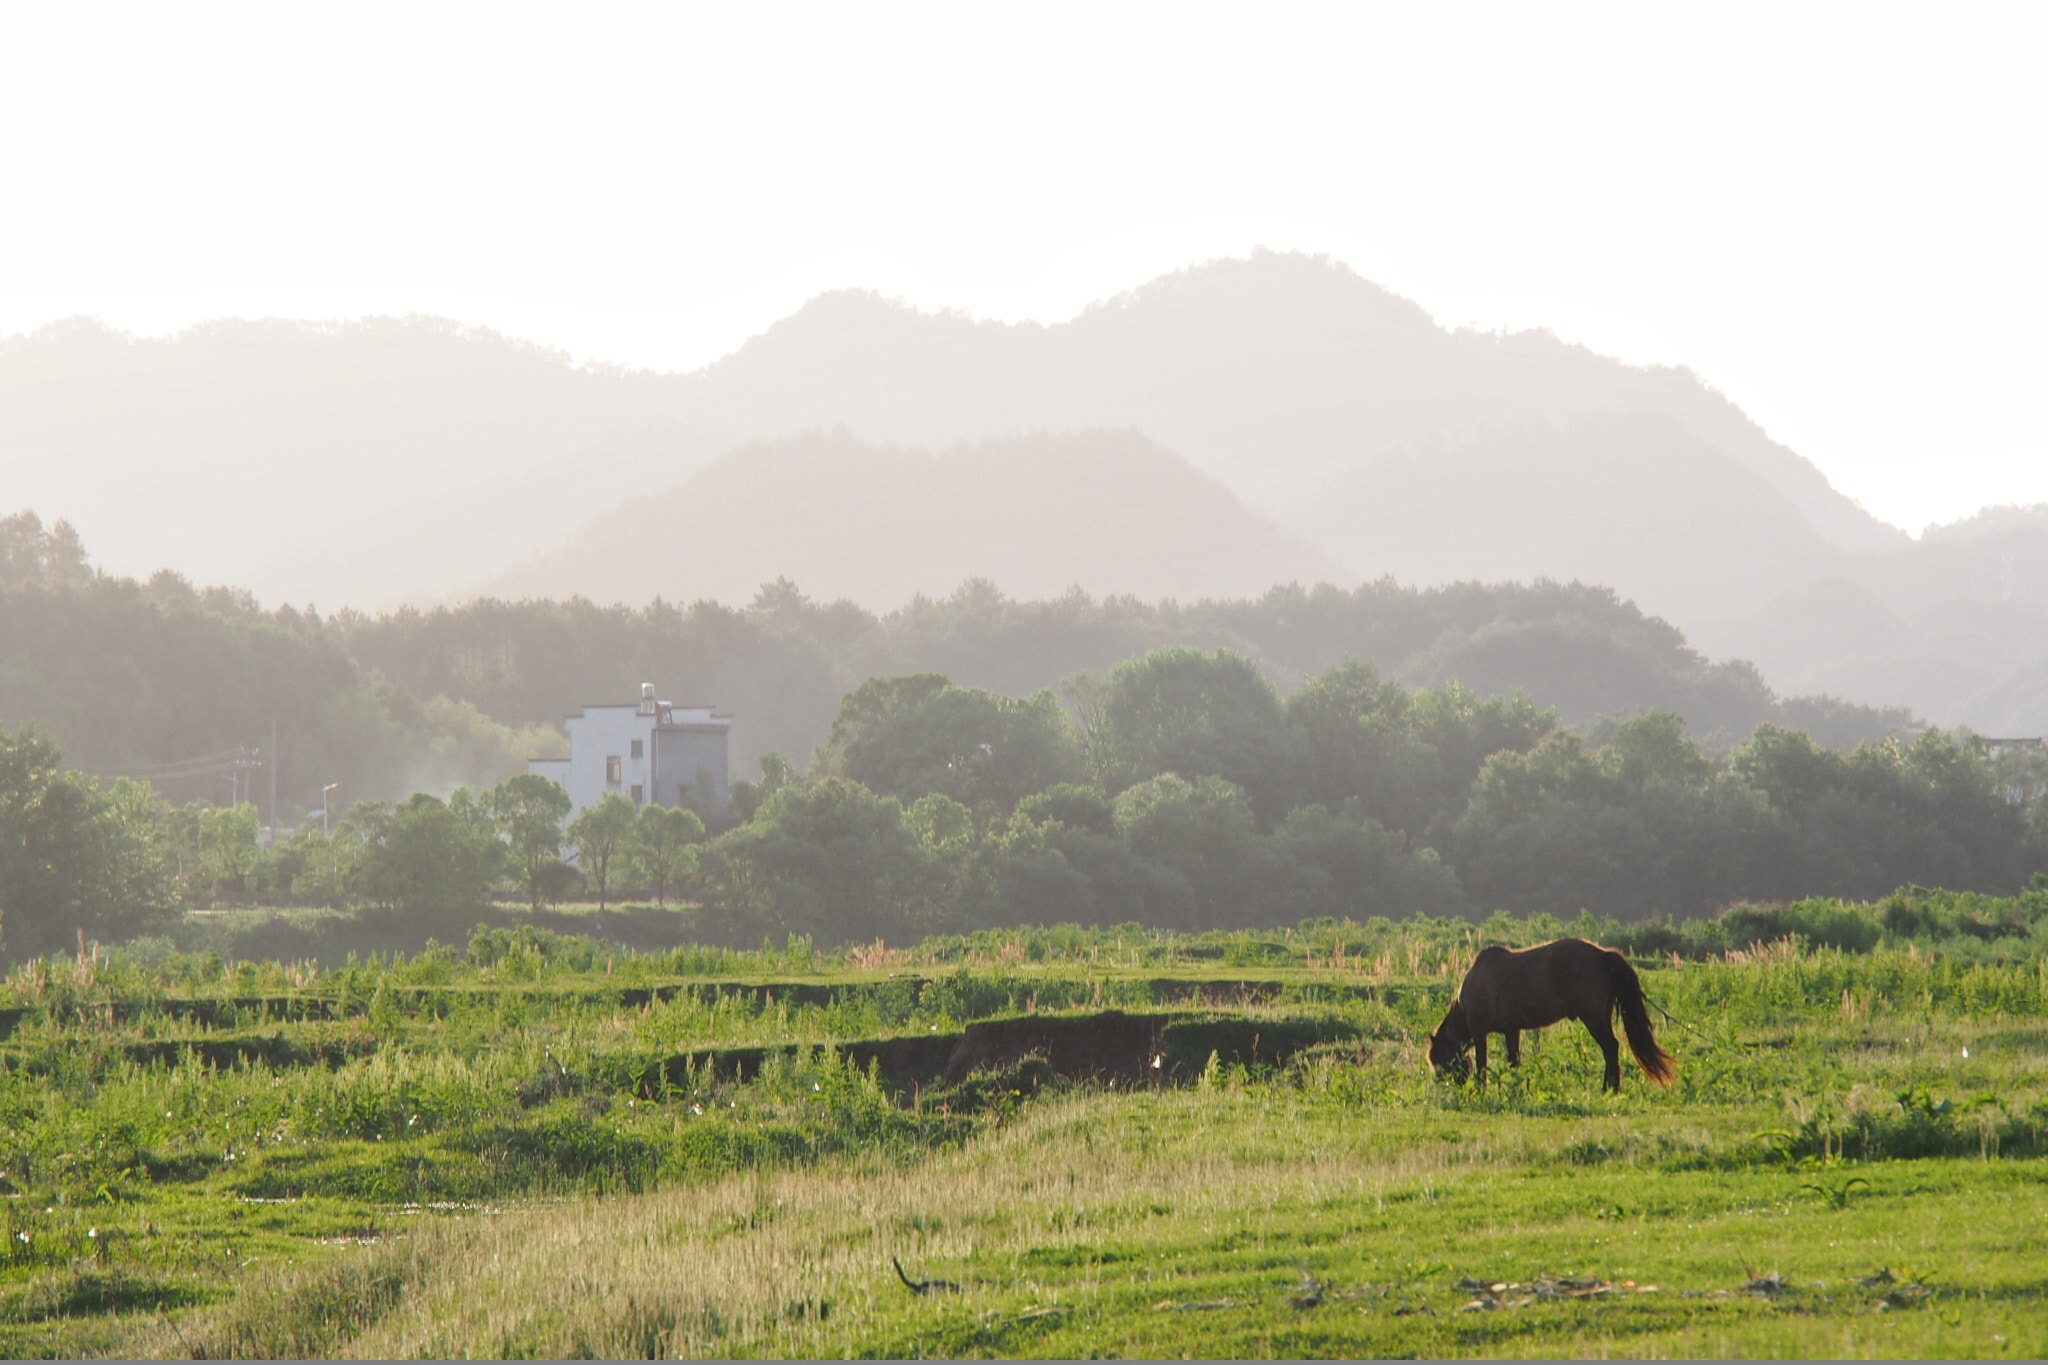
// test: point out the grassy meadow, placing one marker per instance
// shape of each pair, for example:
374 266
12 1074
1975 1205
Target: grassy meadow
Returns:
540 1145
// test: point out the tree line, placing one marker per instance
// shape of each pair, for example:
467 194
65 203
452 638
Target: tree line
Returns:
170 683
1182 791
81 860
781 663
1179 790
152 678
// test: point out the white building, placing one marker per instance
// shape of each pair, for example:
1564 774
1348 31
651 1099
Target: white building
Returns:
651 752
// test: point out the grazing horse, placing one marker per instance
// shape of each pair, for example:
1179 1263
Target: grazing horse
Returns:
1510 989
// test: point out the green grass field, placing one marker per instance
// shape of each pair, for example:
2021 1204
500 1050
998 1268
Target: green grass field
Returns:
542 1147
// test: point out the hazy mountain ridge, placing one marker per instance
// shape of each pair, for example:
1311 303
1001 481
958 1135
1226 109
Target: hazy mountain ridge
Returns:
1109 511
407 458
1989 521
334 461
1955 627
1636 500
370 460
781 664
172 682
1270 373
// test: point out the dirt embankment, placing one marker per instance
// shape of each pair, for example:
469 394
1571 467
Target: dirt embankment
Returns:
257 1011
1110 1047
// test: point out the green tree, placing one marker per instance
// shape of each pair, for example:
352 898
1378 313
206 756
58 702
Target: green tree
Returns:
424 861
335 874
599 833
832 860
747 798
1182 823
214 849
777 772
75 859
303 868
1655 748
663 849
907 737
1198 715
1060 857
33 557
530 810
1348 864
473 808
1933 809
1406 759
940 824
1204 831
229 845
954 872
1358 739
1644 825
1072 805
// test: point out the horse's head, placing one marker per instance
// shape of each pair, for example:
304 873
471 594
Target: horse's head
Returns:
1450 1047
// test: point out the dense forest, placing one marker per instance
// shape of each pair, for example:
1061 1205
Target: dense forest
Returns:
880 524
1160 442
1267 374
159 679
1191 795
1178 791
960 763
179 686
781 664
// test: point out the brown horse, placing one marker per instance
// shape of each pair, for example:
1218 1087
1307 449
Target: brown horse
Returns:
1510 989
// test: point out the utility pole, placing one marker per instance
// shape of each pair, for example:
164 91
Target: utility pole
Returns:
271 761
333 860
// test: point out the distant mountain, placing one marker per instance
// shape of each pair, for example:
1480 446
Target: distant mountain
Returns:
1989 521
368 461
349 463
1270 373
1638 501
411 459
1955 626
2016 705
1109 511
781 664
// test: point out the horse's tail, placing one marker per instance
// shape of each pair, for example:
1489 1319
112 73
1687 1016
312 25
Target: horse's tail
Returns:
1657 1064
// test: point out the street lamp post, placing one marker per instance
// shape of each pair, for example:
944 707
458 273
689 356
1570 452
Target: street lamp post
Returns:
333 863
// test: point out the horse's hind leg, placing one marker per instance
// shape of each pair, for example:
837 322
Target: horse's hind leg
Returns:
1603 1034
1513 1038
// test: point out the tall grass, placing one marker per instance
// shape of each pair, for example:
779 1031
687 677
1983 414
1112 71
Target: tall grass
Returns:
149 1102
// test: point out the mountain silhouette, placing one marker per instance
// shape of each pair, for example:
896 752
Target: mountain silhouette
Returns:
367 461
1270 373
1955 626
1034 515
1636 500
342 463
1215 430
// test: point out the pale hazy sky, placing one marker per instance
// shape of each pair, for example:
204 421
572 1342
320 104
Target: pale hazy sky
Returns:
1835 214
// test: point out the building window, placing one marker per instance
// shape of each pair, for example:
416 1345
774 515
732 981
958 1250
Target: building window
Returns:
614 770
638 798
639 748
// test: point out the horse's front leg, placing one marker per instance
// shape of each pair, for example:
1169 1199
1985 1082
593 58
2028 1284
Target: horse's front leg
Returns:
1479 1058
1603 1034
1513 1038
